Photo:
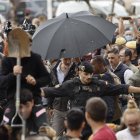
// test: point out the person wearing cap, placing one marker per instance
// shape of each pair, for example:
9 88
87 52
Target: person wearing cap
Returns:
120 42
81 88
132 46
85 86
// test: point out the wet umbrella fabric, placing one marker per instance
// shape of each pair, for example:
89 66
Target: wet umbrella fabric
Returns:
72 35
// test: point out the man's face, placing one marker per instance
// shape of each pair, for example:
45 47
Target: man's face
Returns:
85 77
26 109
132 121
122 56
113 59
66 61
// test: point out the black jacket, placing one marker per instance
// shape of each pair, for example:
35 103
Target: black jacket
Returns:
110 100
37 119
60 103
79 93
31 65
70 74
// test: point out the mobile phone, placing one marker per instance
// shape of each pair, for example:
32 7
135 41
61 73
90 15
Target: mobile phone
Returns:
126 18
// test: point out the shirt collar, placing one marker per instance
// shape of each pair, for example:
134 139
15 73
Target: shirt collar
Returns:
116 66
58 67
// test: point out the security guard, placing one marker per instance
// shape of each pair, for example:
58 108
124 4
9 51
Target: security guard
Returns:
81 88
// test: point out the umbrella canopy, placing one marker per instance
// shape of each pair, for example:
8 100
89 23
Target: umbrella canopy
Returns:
72 35
71 7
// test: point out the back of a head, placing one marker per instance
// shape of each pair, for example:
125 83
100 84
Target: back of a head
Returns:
99 59
99 64
74 118
97 109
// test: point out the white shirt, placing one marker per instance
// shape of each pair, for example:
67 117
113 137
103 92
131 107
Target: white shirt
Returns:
127 74
60 74
126 135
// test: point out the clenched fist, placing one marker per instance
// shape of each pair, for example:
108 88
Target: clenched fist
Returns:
30 80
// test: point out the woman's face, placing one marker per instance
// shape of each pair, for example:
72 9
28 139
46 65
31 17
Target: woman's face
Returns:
132 121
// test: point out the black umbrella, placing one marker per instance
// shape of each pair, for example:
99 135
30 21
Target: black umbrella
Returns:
72 35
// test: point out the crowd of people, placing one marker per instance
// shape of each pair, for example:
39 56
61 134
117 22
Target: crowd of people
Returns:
96 97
